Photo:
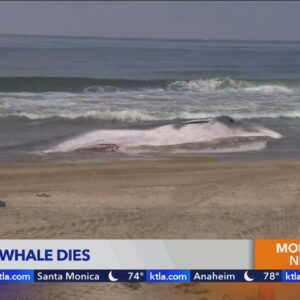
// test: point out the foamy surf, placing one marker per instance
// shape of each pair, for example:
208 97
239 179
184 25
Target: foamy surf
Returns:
218 146
229 84
124 116
202 131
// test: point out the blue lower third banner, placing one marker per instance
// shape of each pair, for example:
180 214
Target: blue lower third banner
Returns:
151 276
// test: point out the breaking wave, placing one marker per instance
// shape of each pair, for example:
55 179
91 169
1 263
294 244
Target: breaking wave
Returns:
227 83
124 116
133 116
239 115
94 85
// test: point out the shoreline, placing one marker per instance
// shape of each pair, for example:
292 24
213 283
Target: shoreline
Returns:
193 198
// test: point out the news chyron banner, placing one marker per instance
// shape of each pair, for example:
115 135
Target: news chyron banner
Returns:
154 261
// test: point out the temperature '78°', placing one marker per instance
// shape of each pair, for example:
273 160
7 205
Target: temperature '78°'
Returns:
271 275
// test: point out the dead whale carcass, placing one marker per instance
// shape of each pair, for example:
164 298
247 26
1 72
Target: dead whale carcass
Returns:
187 132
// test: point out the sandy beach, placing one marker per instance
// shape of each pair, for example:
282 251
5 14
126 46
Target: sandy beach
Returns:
160 199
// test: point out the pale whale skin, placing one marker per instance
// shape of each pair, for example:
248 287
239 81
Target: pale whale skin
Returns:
193 131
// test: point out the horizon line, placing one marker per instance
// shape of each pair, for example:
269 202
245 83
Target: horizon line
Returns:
145 38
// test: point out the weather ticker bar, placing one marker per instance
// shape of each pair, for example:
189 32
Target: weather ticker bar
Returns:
148 276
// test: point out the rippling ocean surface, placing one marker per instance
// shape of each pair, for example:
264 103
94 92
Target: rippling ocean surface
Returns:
63 95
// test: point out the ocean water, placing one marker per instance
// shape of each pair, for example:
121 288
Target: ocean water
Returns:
89 97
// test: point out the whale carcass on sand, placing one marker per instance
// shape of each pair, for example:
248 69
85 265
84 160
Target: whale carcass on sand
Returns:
192 131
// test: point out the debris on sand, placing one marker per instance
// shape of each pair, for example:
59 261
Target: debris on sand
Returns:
2 204
133 285
43 195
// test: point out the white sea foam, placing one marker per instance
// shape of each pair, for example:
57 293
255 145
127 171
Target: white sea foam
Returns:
241 115
244 147
126 116
163 136
131 116
215 84
203 98
206 84
269 89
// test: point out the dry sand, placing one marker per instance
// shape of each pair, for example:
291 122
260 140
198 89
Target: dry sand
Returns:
165 199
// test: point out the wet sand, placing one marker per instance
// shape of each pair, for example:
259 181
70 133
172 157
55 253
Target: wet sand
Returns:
161 199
